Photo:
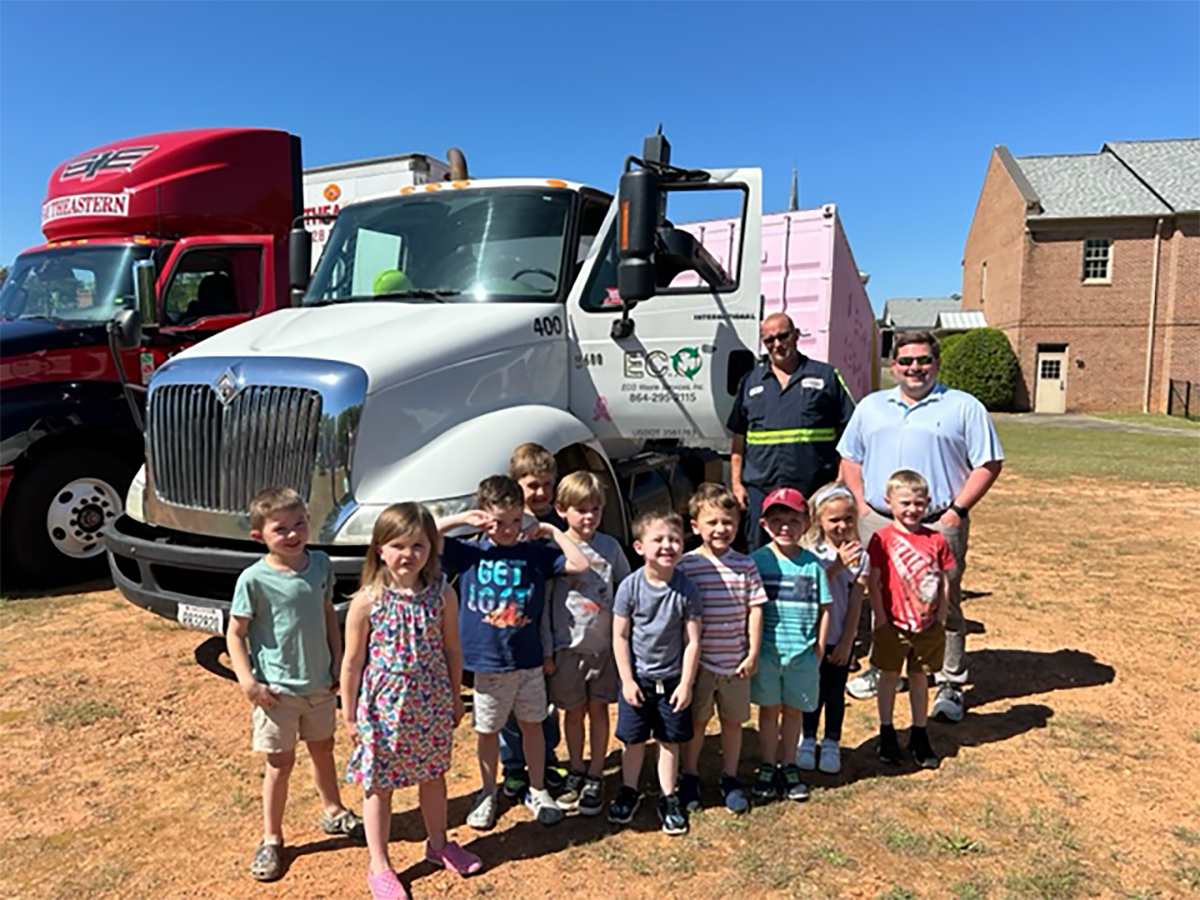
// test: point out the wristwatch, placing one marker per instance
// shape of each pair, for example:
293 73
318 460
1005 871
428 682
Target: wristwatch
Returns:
958 510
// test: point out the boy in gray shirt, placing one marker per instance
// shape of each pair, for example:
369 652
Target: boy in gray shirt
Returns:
656 642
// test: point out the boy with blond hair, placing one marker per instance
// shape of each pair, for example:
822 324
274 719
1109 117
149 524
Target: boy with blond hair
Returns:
656 642
732 599
583 678
909 586
286 650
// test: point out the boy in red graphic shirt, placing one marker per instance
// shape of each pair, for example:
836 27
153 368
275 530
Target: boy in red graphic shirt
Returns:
909 588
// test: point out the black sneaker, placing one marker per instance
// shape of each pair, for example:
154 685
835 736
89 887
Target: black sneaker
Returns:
889 747
689 792
556 778
734 795
591 797
673 816
766 782
568 798
794 787
918 746
516 784
624 806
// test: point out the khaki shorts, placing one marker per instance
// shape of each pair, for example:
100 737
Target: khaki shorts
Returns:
924 650
312 717
730 693
497 694
580 677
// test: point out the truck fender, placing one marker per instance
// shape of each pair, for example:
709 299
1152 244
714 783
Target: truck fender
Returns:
453 464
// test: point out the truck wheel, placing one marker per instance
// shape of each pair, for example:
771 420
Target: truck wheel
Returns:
56 512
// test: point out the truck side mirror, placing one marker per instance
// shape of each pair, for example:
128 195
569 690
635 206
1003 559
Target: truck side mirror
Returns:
639 197
127 328
144 276
299 258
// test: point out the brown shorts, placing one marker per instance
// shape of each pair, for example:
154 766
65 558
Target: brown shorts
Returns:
309 718
730 695
580 677
924 650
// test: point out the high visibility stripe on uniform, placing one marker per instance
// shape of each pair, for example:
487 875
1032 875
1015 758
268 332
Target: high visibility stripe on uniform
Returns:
792 436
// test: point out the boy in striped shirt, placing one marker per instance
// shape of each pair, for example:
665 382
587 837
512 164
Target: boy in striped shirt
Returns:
732 597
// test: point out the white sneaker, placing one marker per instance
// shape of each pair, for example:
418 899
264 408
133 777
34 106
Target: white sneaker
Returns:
949 704
806 756
865 686
543 807
483 813
831 757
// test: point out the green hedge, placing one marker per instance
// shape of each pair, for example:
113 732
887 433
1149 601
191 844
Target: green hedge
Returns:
982 363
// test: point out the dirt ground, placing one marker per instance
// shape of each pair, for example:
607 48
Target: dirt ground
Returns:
127 770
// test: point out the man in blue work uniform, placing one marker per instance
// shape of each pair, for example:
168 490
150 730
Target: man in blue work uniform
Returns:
948 437
786 421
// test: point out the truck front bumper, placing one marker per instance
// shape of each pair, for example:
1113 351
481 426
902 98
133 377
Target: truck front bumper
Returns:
186 579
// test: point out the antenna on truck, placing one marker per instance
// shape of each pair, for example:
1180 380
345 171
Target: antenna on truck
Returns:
794 203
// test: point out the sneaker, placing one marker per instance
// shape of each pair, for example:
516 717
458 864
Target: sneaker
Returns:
889 747
516 784
865 686
794 787
831 757
591 798
918 746
624 806
483 812
948 706
556 778
689 792
766 782
673 816
543 807
734 795
347 823
806 756
568 798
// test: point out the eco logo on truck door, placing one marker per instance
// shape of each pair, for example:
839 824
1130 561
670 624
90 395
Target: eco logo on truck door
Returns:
686 362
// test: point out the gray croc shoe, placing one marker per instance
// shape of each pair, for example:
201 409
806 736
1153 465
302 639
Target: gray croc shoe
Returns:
347 823
267 864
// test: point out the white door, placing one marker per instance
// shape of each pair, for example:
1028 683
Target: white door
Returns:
676 375
1051 393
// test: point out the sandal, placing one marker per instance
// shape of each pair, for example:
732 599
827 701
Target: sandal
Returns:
267 864
386 886
347 823
454 858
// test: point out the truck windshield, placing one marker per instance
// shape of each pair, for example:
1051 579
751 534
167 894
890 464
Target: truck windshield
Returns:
71 284
470 245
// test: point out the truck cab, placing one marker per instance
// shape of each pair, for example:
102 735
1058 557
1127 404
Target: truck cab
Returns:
443 327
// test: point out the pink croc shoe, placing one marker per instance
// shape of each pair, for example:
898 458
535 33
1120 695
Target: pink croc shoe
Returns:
386 886
454 858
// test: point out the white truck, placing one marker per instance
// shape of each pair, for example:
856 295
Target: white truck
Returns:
443 326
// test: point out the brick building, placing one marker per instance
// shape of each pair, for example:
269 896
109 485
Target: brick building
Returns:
1091 265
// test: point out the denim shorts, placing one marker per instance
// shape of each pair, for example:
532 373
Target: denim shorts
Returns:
655 717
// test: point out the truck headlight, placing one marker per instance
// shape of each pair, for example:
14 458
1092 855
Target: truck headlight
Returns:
135 499
361 524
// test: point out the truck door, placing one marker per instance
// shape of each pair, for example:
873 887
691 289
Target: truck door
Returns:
675 376
214 283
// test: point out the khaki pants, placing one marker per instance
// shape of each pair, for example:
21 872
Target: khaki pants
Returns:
954 668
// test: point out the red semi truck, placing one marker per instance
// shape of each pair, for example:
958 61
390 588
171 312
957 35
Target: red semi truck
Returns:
203 219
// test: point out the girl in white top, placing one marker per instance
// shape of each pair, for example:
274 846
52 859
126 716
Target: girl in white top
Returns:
834 539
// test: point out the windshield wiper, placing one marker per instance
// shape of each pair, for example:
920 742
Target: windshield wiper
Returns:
40 316
424 293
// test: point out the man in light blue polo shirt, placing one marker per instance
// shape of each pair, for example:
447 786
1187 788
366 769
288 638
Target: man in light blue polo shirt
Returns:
948 437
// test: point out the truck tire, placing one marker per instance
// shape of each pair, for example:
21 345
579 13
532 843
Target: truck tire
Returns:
56 511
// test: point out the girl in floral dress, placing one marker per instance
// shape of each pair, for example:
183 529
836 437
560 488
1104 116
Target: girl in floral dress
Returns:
401 689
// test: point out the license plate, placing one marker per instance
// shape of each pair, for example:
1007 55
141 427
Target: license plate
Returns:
200 618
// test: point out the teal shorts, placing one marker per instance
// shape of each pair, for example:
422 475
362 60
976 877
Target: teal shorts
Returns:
795 684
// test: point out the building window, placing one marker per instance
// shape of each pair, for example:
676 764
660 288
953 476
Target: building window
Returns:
1097 259
1051 369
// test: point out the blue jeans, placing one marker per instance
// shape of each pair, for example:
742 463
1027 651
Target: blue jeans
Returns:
512 750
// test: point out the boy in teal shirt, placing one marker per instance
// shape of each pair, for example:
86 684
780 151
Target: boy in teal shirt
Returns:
795 623
285 648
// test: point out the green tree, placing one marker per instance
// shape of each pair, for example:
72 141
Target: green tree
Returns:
982 362
3 275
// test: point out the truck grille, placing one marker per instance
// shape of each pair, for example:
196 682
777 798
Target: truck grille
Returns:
207 455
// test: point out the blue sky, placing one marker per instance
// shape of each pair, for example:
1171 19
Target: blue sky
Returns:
889 110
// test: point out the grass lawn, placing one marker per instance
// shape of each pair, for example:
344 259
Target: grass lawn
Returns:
1046 451
1151 419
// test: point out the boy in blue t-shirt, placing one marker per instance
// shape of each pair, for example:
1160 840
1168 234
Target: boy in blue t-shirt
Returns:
504 624
795 622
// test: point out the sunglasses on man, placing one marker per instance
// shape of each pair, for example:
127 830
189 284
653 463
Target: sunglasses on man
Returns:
770 339
918 360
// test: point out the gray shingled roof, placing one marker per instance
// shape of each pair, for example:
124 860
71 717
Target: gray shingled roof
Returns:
917 312
1126 178
1170 168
